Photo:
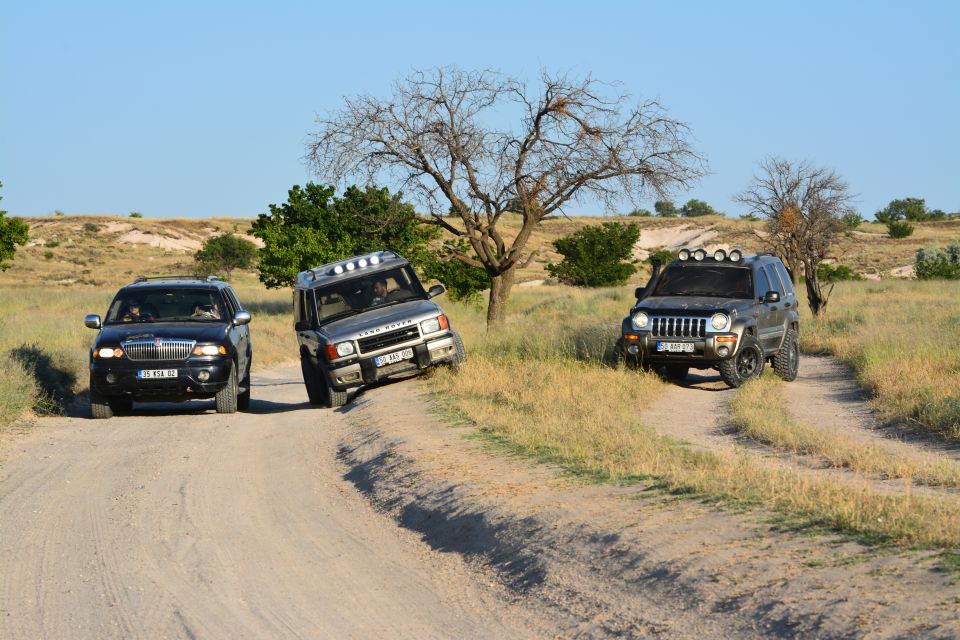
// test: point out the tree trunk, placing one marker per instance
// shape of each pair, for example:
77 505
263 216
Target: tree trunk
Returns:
815 298
500 286
793 266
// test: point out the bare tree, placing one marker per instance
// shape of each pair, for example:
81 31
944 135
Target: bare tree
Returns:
436 138
803 205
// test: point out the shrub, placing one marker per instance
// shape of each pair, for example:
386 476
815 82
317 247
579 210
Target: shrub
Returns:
13 232
933 263
59 213
851 220
222 254
52 244
596 256
48 255
899 228
640 213
136 214
665 256
837 273
91 227
666 209
750 217
697 208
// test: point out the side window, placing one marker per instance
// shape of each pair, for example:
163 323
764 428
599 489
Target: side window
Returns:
309 307
297 306
233 299
763 284
774 279
231 307
787 285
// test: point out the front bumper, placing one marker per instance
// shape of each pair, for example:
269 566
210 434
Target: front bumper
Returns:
120 378
707 351
357 372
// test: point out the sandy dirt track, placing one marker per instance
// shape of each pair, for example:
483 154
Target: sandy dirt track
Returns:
169 524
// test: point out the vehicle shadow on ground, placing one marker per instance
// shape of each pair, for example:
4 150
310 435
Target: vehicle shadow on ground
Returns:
703 382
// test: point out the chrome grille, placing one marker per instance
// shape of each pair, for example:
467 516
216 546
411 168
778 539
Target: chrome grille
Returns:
163 349
385 340
679 327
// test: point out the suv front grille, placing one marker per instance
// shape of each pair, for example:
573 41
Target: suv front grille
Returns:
164 350
375 343
679 327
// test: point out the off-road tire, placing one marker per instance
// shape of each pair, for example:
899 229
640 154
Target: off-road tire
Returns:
227 397
331 397
676 372
460 352
747 363
243 398
100 408
311 381
786 363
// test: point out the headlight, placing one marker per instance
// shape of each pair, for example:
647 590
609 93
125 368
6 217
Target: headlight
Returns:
434 324
344 349
641 320
719 321
109 352
209 350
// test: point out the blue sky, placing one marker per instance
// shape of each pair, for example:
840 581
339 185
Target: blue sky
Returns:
183 109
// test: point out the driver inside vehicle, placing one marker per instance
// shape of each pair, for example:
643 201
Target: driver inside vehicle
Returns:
206 311
137 313
379 292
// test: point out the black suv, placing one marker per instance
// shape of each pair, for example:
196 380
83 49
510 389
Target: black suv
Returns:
732 312
365 319
171 338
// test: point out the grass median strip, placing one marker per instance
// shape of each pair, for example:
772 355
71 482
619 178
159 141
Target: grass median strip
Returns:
760 411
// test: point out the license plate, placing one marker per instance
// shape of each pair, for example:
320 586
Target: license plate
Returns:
391 358
675 347
151 374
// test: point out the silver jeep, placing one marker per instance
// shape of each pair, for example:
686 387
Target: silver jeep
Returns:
366 319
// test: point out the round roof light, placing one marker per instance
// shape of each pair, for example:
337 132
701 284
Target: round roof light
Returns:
699 254
338 269
719 255
311 275
362 263
374 259
351 266
684 254
736 255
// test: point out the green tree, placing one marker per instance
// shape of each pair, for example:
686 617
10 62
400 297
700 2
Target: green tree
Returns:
463 281
912 209
314 227
13 232
640 213
933 263
851 220
596 256
220 255
665 209
899 229
696 208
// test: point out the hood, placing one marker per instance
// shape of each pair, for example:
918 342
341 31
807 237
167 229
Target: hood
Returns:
381 319
199 331
692 304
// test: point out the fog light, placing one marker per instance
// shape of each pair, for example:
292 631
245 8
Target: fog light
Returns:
111 378
634 349
203 376
723 352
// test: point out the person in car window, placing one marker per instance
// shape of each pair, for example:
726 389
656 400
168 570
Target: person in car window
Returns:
379 292
206 311
136 313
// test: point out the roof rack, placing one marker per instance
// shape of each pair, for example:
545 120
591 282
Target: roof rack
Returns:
210 278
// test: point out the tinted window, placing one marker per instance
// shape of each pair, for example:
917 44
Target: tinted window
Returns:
774 279
166 305
785 276
763 285
721 282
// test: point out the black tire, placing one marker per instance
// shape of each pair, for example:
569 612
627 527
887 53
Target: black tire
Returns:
746 364
676 372
311 381
100 408
331 397
227 397
243 398
786 363
460 352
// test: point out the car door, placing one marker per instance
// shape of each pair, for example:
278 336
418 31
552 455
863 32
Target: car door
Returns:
305 317
767 331
239 335
778 310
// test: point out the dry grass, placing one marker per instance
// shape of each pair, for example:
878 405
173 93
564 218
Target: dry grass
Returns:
760 411
900 338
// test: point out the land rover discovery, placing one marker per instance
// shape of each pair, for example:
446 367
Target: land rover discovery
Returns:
170 338
728 311
365 319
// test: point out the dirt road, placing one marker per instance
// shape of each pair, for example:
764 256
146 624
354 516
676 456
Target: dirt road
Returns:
169 524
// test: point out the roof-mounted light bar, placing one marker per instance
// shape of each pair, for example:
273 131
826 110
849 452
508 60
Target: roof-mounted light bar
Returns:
700 254
370 260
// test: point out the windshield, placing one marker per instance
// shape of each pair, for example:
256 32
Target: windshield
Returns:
381 288
166 305
719 282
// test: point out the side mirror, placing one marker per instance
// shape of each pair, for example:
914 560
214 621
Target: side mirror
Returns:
301 325
92 321
771 296
241 317
435 290
638 292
